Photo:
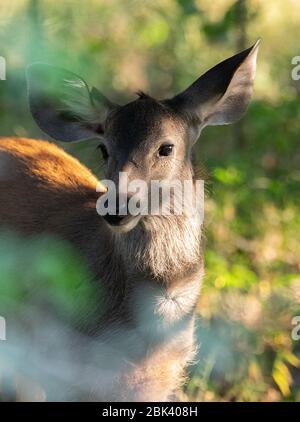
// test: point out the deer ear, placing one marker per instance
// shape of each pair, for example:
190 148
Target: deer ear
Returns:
62 104
222 94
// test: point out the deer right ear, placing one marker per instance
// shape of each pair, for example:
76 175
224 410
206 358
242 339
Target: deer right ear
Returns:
221 95
62 104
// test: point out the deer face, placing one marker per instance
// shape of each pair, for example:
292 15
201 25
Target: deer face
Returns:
146 139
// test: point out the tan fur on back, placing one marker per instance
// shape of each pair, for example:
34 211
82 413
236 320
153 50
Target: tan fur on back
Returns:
48 162
42 188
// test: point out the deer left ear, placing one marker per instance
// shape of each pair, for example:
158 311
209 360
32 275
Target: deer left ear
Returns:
221 95
63 105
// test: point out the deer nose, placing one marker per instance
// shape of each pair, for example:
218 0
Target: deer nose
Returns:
120 215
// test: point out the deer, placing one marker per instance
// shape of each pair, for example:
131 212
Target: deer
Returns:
150 267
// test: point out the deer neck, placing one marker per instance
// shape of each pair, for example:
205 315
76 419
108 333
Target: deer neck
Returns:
164 266
162 248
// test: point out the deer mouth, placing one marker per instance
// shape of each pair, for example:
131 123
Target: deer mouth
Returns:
120 223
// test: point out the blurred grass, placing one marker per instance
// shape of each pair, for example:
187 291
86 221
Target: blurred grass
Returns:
44 271
252 284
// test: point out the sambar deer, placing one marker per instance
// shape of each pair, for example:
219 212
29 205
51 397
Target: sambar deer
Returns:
150 267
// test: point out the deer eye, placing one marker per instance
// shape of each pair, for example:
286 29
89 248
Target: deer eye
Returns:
165 150
103 151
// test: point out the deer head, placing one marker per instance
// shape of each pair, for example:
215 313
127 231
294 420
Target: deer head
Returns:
147 139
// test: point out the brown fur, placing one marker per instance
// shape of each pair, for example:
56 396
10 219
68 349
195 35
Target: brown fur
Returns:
35 172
